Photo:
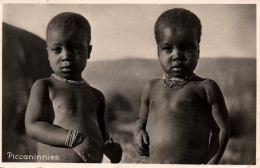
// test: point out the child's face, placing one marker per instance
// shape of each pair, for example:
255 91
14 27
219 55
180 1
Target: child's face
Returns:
68 52
178 51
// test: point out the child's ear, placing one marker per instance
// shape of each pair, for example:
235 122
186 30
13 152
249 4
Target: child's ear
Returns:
89 51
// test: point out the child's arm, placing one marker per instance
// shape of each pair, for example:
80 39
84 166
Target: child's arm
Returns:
101 117
220 124
112 149
141 138
37 118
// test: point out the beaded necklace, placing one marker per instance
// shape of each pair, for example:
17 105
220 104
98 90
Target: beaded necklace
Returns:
69 81
176 83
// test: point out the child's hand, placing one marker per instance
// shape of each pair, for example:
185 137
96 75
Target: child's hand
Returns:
113 151
141 142
89 150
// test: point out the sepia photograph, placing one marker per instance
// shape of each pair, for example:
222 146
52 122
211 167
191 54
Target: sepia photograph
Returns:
157 83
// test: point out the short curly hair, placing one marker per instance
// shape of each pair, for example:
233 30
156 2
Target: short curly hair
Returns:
69 21
177 17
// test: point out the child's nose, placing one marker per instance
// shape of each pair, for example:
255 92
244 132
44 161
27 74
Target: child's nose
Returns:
177 54
66 55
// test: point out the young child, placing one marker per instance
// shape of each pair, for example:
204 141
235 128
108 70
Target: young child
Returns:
179 112
65 114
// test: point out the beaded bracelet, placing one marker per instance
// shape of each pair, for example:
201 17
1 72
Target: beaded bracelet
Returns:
71 138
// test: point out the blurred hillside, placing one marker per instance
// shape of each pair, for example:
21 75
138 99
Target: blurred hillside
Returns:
121 81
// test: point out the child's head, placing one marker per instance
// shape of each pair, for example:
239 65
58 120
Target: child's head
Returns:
68 21
177 33
177 17
68 44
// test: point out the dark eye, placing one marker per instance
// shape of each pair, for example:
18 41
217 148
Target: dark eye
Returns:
56 50
77 49
189 49
168 49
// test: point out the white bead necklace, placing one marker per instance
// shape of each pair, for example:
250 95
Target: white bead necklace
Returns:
176 83
82 82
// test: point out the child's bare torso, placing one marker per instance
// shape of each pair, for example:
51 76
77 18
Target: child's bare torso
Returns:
178 123
74 108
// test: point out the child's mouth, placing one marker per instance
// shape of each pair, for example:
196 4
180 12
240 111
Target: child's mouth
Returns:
177 66
66 68
177 69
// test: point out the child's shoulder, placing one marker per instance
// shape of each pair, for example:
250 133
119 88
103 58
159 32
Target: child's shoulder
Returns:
209 84
40 87
96 91
98 94
151 85
153 82
205 82
212 89
42 83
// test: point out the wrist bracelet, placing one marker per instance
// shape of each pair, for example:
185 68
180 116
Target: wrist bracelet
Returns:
71 138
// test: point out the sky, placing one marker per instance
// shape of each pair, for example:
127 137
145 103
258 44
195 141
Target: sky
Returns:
127 30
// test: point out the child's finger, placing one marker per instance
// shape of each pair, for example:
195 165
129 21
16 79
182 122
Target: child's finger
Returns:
146 139
140 152
143 150
139 149
140 143
136 146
